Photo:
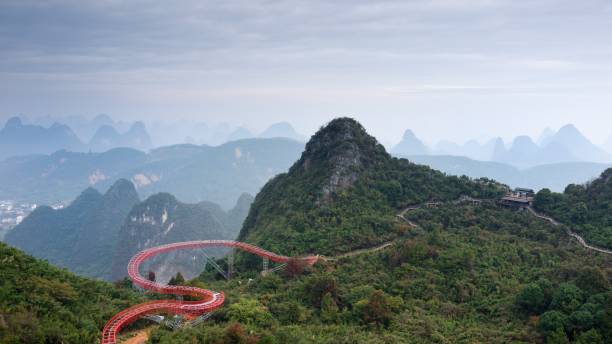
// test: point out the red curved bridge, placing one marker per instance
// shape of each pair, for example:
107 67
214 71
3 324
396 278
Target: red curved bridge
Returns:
208 300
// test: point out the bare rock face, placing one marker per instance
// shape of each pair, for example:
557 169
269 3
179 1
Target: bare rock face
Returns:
162 219
342 150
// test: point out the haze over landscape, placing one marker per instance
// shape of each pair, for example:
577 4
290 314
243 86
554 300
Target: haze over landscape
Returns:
422 171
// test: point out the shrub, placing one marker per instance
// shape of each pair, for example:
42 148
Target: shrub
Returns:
567 298
551 321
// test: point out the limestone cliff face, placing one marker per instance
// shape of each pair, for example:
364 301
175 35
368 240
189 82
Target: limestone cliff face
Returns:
162 219
335 159
339 152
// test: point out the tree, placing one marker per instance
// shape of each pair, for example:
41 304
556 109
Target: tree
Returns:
593 280
567 298
319 285
249 312
531 298
578 212
580 321
551 321
378 308
235 334
289 312
589 337
295 267
544 200
557 337
329 309
177 280
124 283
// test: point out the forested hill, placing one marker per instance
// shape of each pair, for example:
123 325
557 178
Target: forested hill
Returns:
343 193
82 236
40 303
587 208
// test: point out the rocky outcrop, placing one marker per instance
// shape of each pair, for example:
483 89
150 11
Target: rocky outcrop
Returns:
162 219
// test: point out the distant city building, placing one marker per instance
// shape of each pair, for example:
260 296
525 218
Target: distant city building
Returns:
12 213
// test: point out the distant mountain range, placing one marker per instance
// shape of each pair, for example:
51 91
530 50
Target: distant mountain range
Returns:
106 137
97 234
282 129
554 176
410 145
82 126
46 135
565 145
191 173
19 139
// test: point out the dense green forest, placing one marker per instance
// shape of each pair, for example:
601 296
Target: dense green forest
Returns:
40 303
468 274
587 209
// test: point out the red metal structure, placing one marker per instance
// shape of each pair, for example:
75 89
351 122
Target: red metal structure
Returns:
208 300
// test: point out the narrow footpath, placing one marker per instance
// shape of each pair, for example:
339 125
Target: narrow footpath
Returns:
402 216
569 232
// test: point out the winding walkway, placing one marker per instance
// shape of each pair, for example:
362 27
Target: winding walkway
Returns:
552 221
208 300
569 232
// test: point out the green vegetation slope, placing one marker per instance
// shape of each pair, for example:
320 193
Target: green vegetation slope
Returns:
470 274
40 303
587 209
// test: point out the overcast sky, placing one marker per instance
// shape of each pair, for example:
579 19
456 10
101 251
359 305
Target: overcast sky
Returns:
453 69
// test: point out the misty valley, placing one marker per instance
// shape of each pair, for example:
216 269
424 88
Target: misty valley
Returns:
398 251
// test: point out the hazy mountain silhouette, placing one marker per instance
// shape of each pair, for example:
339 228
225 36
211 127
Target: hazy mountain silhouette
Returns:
566 145
578 146
555 176
471 149
192 173
410 145
282 129
239 134
522 152
17 138
545 137
107 138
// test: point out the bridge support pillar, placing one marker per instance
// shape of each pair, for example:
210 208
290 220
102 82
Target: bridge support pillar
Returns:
230 264
266 263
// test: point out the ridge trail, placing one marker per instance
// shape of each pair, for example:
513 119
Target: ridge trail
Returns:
569 232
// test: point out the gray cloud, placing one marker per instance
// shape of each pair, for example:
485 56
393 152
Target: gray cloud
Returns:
238 59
